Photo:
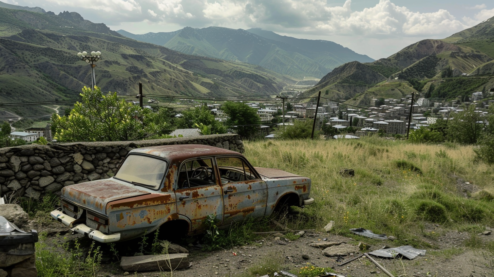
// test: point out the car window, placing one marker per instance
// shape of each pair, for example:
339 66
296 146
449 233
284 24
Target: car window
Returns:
234 169
196 173
142 170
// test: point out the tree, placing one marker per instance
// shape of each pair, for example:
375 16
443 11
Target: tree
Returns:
289 107
465 126
202 118
6 129
244 117
428 94
299 130
379 102
447 72
100 117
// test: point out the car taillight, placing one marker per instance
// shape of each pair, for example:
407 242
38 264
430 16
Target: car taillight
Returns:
69 207
97 219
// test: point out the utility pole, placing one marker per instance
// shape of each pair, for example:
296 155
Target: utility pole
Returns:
140 95
410 115
283 109
315 115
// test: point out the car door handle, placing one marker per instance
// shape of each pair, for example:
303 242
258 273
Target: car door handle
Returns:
181 198
228 190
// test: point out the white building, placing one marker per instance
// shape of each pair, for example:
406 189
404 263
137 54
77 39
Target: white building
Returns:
29 137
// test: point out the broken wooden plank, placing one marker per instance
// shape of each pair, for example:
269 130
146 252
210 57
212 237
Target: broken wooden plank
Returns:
378 265
351 260
155 262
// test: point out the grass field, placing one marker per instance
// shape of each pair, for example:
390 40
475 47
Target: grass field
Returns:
398 187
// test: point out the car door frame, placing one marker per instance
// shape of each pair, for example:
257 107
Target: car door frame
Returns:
245 192
194 200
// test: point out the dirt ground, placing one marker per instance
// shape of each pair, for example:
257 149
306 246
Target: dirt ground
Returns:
449 256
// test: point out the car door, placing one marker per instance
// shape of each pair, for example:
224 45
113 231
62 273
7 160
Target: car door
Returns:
198 193
244 192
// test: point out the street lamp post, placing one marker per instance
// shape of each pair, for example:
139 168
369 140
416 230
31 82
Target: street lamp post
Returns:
91 59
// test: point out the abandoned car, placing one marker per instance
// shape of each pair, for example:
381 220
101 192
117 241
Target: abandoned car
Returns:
176 187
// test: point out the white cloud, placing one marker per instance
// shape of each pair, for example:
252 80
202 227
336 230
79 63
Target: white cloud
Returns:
484 15
478 7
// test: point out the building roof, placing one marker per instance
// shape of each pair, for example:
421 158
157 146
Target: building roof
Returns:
22 134
186 133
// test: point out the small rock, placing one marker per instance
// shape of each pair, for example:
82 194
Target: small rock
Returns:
280 242
87 166
93 176
277 238
31 193
340 250
45 181
486 233
392 238
301 233
325 244
58 169
126 273
329 226
305 257
35 160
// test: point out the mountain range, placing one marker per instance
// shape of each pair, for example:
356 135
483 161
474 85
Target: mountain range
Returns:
38 62
297 58
455 66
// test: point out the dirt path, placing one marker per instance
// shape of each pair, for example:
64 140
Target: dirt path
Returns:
447 257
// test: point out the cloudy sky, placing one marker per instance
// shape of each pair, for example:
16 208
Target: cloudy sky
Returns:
377 28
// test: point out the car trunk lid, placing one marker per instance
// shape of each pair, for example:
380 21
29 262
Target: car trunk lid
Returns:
96 195
272 173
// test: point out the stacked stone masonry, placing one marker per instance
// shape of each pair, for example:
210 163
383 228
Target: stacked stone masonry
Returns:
34 170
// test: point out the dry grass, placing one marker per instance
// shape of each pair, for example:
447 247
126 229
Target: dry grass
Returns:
384 196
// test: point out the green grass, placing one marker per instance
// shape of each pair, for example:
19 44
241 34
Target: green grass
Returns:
483 45
397 186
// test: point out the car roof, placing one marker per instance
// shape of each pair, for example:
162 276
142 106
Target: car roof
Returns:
180 152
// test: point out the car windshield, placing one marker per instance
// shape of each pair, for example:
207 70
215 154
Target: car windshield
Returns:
142 170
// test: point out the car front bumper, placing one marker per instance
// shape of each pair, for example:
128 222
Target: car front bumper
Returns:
83 228
308 201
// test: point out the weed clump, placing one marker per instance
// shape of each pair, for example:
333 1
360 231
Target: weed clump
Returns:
406 165
483 195
431 211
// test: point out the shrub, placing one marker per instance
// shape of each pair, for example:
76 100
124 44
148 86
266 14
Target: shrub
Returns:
424 135
299 130
406 165
431 211
485 152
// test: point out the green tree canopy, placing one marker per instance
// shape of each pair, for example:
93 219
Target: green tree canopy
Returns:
99 117
202 118
299 130
465 126
6 129
244 117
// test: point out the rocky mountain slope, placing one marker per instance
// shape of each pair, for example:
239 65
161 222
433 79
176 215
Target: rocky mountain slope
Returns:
456 66
38 62
298 58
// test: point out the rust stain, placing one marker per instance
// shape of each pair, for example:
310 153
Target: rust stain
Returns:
141 201
303 188
170 178
195 194
248 196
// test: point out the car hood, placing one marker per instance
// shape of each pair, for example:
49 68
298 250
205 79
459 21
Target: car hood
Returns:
272 173
96 195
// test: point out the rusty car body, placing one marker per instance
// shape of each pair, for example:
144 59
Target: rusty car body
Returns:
176 187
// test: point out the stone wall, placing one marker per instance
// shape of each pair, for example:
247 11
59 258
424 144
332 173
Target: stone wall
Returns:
34 170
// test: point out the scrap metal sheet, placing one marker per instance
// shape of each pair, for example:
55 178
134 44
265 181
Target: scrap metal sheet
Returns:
406 251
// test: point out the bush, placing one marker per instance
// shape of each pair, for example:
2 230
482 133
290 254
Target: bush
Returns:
299 130
485 152
431 211
406 165
424 135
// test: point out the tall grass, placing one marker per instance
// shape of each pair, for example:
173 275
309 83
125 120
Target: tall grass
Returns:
397 185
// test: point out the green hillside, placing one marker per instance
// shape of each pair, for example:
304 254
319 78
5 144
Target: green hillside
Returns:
346 81
38 62
298 58
388 89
